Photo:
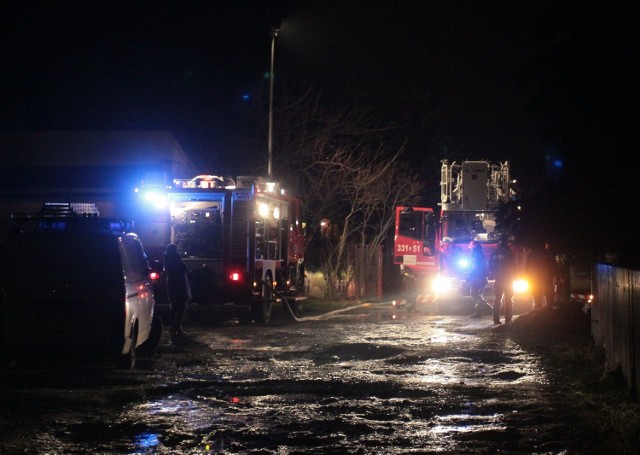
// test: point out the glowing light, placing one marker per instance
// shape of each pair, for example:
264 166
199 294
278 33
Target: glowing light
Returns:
463 263
520 286
234 276
271 187
176 211
263 209
158 200
441 285
276 213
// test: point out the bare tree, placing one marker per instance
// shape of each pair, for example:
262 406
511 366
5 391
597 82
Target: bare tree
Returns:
348 177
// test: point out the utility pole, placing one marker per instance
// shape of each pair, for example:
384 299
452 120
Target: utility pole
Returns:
274 33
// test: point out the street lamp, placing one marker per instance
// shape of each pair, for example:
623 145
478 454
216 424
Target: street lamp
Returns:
274 33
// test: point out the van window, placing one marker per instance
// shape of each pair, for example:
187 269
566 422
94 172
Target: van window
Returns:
134 262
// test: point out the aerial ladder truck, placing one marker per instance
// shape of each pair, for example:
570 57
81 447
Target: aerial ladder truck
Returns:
433 252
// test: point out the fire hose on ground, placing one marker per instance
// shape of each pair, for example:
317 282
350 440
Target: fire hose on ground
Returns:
330 314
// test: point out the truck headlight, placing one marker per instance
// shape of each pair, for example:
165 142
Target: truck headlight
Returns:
441 285
157 200
520 286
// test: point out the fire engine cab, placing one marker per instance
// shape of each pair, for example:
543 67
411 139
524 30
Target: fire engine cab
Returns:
242 240
434 254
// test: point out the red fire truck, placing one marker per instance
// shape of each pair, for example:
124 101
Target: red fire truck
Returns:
242 240
434 254
416 250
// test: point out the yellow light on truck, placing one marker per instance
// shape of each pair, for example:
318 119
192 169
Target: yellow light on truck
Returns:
520 286
263 210
441 285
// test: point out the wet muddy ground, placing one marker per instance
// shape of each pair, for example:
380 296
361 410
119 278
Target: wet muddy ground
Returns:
374 379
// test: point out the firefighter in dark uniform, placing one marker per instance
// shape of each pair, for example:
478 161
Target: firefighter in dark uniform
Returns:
541 268
502 267
178 287
477 280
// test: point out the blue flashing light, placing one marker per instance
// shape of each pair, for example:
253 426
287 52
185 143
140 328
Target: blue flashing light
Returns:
558 163
246 97
159 201
463 263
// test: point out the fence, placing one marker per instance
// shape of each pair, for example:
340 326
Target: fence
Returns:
366 264
615 319
363 280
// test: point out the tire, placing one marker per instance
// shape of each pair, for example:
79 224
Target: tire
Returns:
154 336
261 311
128 360
409 291
301 285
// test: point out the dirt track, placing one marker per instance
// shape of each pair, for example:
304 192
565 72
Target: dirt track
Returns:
372 380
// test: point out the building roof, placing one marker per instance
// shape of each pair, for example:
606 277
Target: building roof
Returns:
95 149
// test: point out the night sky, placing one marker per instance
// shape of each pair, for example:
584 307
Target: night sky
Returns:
536 83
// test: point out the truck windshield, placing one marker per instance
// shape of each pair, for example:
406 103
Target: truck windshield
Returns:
198 233
410 224
418 225
463 227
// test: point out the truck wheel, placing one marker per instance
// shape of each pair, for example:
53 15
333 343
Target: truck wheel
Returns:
261 311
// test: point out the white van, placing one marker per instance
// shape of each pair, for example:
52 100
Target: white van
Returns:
81 283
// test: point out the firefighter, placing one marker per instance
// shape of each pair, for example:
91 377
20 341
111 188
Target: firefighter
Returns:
477 280
502 267
178 288
563 279
541 269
